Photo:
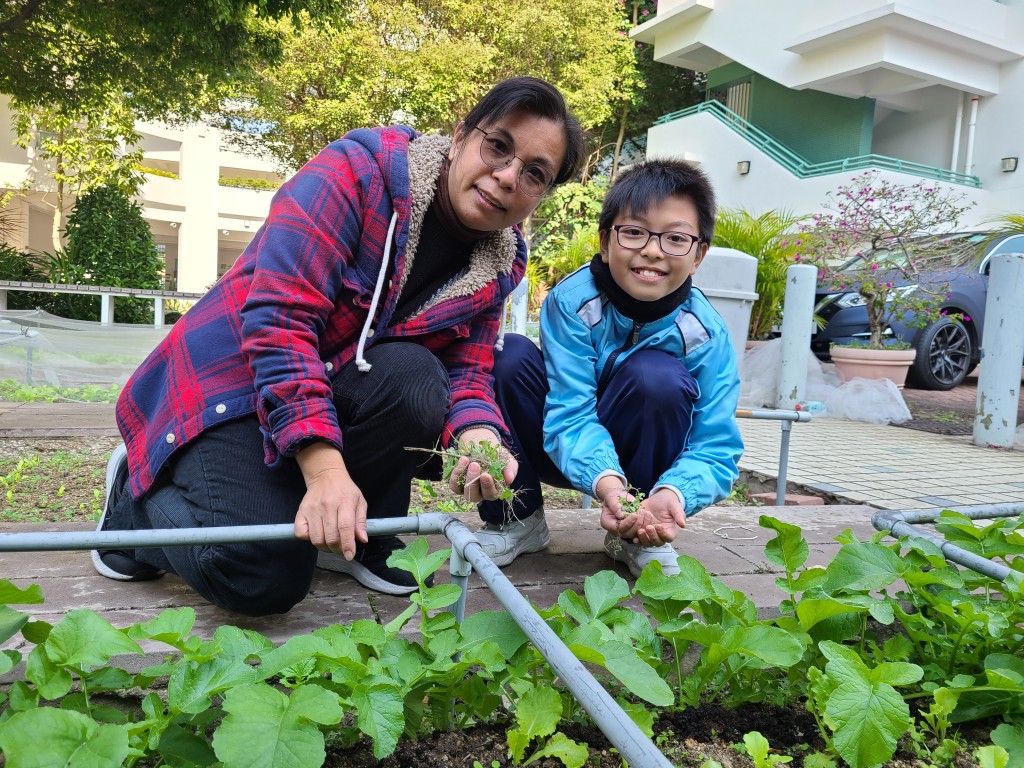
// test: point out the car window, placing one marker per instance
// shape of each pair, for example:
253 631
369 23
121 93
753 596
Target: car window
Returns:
965 252
1011 244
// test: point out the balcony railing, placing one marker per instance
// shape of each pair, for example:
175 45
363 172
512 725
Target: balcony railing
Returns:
804 169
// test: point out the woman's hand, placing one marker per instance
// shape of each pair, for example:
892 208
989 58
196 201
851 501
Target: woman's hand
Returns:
332 515
468 478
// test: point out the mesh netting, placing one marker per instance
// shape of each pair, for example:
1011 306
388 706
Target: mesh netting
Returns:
40 349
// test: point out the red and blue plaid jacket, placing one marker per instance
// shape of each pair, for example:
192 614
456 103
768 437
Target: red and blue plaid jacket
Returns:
268 335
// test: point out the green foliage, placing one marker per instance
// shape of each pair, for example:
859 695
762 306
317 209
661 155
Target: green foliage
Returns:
109 240
765 237
427 64
163 57
156 172
260 185
936 634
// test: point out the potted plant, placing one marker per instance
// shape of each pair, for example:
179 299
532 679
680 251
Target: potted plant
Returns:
766 238
871 245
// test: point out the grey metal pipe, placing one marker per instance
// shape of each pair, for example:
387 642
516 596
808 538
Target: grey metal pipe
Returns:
786 419
620 729
901 523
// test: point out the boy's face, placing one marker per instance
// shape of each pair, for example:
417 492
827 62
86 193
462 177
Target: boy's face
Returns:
649 273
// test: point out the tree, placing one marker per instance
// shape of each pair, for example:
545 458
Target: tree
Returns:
660 89
76 151
425 63
161 56
110 243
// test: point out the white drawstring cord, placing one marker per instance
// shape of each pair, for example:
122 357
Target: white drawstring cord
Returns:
361 363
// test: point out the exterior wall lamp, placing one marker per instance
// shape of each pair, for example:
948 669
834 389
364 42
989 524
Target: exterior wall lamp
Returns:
743 167
1009 164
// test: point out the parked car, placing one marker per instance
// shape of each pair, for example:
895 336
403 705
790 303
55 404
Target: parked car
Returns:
947 349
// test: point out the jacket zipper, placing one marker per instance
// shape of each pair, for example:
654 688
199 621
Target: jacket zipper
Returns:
609 366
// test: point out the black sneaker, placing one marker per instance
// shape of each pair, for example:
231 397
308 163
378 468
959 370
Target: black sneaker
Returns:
370 566
119 564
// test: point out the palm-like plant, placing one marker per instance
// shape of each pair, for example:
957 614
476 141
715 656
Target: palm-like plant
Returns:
1010 222
767 238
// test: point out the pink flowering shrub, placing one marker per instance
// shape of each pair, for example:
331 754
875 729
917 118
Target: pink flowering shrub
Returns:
878 238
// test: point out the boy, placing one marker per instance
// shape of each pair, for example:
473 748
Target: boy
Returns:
635 385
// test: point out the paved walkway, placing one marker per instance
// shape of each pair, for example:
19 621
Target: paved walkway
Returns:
884 466
860 466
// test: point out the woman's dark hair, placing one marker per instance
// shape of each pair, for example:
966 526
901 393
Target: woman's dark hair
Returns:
536 97
650 182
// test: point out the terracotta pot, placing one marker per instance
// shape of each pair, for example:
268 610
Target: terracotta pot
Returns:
891 364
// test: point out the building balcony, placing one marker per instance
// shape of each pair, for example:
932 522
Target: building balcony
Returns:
883 49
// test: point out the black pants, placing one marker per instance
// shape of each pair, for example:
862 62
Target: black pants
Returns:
647 408
220 479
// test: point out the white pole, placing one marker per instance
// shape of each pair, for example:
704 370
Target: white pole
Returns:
797 320
106 309
971 122
958 127
520 305
1002 349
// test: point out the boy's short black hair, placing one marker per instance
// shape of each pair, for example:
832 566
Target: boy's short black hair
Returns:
536 97
650 182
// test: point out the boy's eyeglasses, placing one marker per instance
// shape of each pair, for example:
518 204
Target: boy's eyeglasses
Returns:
634 238
498 152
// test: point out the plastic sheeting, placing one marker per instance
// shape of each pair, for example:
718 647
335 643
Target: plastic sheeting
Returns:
875 401
40 349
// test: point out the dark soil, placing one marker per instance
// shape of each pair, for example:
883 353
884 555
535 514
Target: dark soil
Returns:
688 738
946 413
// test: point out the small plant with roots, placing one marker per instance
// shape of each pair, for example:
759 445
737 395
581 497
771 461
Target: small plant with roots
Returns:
489 456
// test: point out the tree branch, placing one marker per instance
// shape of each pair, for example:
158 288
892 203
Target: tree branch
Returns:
28 10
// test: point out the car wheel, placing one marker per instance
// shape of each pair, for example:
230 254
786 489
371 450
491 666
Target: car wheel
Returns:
944 355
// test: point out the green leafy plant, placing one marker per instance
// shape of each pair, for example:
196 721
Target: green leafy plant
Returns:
260 185
768 238
758 750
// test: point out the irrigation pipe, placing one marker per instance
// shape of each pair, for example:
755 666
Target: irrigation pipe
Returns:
786 419
622 732
902 522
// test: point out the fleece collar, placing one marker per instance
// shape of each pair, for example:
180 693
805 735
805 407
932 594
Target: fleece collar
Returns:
492 255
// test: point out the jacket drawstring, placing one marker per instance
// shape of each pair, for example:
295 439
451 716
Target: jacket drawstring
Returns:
361 363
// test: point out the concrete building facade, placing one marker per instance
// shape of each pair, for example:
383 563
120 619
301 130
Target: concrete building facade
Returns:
803 94
199 222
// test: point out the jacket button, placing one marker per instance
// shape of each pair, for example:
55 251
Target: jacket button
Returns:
221 408
369 334
170 437
329 366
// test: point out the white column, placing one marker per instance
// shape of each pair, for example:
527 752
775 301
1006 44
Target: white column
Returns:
1002 349
797 321
106 308
958 127
158 312
198 233
971 124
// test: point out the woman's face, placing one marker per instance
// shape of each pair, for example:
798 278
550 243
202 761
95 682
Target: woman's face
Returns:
489 199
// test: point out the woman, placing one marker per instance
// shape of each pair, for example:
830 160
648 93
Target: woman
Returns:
359 322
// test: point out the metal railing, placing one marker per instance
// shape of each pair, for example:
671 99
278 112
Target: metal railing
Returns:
622 732
803 168
106 294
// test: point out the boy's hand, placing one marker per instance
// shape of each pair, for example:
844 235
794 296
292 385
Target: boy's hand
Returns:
668 516
469 479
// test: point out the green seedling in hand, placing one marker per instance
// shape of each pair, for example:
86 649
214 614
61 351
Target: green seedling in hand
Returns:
487 455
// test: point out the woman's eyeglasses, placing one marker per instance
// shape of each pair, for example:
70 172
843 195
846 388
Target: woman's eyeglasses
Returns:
498 151
634 238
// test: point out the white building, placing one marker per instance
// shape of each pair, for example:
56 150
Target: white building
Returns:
200 224
803 94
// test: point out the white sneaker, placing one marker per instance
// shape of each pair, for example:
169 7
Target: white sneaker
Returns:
504 543
638 558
